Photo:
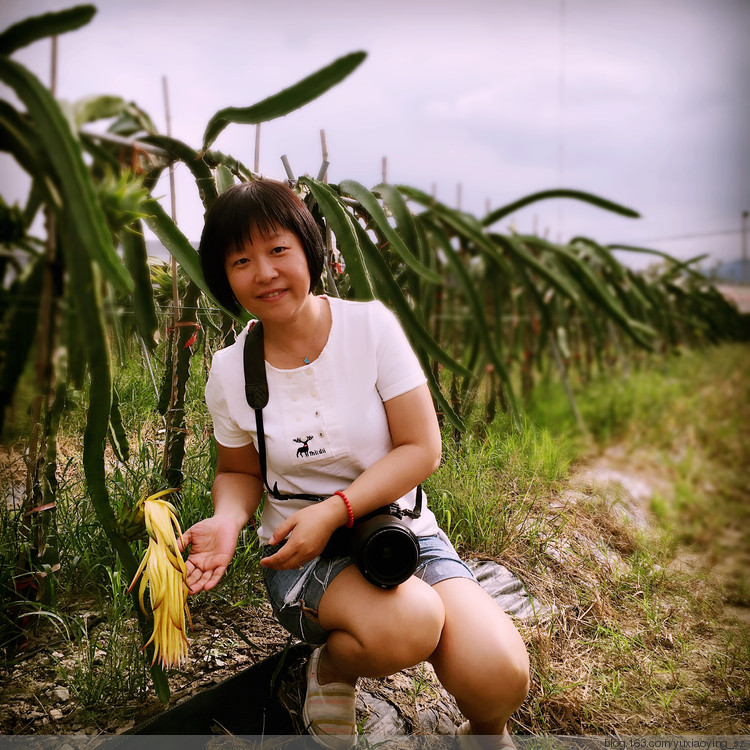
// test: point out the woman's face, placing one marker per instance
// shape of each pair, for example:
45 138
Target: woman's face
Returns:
269 275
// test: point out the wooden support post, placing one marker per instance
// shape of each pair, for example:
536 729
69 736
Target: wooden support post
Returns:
256 162
323 177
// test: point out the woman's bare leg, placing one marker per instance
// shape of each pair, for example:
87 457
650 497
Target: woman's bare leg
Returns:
377 632
480 659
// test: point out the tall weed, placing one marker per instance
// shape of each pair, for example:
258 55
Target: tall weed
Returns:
108 667
487 493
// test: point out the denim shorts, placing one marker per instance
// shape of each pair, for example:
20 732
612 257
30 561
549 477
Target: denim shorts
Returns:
295 594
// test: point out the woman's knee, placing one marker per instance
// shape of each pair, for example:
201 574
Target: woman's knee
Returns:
408 626
418 621
506 677
402 626
514 678
494 685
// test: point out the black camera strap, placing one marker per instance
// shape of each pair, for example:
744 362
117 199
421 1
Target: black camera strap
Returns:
256 393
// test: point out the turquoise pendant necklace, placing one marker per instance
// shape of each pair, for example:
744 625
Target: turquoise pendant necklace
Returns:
306 358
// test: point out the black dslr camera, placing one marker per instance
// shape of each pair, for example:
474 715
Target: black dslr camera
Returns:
384 547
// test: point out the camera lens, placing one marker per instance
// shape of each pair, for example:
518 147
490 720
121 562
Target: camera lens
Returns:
388 556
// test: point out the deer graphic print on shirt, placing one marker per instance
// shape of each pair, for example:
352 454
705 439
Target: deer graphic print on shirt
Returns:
304 449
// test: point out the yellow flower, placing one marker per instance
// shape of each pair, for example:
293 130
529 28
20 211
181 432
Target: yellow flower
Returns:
166 577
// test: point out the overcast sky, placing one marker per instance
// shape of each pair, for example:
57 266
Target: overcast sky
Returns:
644 102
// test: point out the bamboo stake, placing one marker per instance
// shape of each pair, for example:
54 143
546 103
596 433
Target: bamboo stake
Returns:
175 293
256 162
287 168
324 153
53 68
41 405
323 172
323 177
561 124
169 133
175 289
43 363
745 276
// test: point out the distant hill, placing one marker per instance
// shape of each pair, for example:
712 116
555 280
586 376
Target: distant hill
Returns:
736 271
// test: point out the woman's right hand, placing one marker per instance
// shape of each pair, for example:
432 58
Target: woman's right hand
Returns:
307 532
212 543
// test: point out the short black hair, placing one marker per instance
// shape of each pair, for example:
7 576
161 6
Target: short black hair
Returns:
260 205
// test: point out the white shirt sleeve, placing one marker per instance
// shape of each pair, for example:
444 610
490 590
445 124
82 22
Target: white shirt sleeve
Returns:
226 430
399 370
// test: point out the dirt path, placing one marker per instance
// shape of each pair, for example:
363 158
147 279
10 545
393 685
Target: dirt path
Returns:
636 478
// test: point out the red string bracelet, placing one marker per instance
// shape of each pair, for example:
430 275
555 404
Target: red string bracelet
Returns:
349 511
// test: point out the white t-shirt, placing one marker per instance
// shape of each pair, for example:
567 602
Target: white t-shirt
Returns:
325 422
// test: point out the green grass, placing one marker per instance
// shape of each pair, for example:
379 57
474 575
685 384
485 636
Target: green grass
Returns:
486 489
108 666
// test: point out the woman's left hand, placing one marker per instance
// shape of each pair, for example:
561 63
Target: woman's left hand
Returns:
307 532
